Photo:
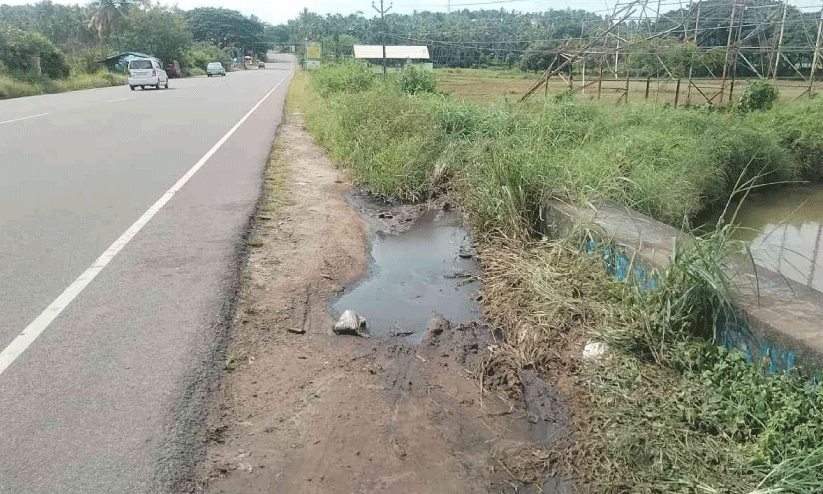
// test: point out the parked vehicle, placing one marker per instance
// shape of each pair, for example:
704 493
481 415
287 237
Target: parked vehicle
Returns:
215 68
147 72
173 69
261 65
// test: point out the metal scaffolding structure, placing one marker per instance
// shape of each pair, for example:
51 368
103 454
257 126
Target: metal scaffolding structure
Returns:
755 37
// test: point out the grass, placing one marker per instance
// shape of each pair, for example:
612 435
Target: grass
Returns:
13 88
503 161
667 411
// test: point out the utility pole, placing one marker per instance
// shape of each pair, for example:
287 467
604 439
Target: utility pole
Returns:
780 40
382 13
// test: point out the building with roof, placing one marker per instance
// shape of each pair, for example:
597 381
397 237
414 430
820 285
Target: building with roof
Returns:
119 62
397 56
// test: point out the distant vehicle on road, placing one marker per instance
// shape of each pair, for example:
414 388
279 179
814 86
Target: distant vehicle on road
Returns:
261 65
173 69
215 68
147 72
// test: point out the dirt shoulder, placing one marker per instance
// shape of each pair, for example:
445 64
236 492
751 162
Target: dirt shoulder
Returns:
302 410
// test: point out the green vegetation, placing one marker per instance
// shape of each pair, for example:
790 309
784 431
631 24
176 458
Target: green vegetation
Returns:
669 163
758 95
13 88
414 80
798 127
497 37
52 48
667 410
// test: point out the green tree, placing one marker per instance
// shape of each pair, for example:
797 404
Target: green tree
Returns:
108 17
19 50
225 28
157 31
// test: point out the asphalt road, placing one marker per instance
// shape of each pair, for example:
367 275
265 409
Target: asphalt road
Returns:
109 397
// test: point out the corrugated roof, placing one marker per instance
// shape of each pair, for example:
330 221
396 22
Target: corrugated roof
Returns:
402 52
132 54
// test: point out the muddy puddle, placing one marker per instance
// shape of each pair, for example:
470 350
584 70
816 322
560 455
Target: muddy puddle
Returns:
420 266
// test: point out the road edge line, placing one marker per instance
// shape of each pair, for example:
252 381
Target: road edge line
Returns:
22 341
24 118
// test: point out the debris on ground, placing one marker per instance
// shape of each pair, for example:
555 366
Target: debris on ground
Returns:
351 324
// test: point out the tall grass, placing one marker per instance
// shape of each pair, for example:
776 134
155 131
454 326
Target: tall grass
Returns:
667 411
14 88
666 162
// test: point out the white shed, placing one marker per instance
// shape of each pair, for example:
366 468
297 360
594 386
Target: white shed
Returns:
392 51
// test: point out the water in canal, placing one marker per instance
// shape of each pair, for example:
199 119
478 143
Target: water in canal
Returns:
785 229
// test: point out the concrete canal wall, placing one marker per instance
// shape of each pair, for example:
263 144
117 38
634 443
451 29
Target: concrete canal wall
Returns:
780 324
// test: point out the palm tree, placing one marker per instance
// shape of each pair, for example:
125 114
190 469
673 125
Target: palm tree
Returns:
109 14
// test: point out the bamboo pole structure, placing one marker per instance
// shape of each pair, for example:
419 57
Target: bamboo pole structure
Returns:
728 50
737 45
677 93
780 40
696 46
817 46
549 72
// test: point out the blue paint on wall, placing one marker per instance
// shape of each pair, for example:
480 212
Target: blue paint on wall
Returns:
732 332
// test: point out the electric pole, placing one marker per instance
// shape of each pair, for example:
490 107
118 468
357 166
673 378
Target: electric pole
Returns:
382 13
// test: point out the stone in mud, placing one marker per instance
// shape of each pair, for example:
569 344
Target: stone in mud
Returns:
351 324
436 325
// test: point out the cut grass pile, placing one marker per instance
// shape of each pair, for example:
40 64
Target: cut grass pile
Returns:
14 88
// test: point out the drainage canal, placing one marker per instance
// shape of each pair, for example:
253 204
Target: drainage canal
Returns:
785 229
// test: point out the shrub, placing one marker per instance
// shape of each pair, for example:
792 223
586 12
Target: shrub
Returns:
86 60
757 96
415 80
12 88
198 55
18 49
343 77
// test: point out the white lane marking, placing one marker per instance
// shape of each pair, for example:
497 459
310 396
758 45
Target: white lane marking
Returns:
116 100
36 327
24 118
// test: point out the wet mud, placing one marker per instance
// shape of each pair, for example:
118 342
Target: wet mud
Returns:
419 266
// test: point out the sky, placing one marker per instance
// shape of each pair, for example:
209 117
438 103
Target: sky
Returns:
280 11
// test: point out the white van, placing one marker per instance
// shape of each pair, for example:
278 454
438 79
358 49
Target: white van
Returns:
147 72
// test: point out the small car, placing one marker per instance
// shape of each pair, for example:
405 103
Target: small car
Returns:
215 68
145 72
261 65
173 70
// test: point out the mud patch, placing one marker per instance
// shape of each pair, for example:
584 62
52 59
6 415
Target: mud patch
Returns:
303 411
548 412
428 267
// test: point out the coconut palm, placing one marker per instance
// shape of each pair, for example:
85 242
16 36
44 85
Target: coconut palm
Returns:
109 15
